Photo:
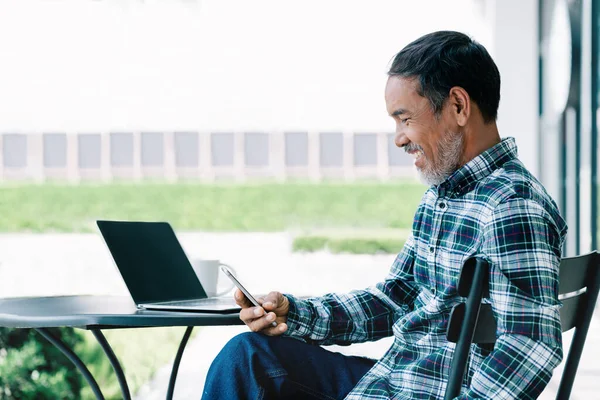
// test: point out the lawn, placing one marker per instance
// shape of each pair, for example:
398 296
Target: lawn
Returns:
355 241
354 218
215 207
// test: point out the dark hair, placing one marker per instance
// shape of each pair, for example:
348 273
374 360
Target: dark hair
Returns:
441 60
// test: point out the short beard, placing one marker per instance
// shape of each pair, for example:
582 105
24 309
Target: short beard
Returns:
450 149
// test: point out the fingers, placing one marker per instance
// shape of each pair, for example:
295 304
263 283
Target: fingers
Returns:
269 302
249 314
269 319
257 320
275 330
241 300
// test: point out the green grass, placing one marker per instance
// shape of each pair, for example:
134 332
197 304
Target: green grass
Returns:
215 207
310 243
359 212
141 353
358 241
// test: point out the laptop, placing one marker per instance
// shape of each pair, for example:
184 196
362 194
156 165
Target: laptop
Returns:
156 270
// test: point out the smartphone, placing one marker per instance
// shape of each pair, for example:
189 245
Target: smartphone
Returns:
237 283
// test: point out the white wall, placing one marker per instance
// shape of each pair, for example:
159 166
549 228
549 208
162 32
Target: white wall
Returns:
84 65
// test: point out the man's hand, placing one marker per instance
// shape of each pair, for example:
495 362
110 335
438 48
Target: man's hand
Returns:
275 307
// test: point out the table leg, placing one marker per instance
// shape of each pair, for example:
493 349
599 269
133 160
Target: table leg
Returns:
114 362
74 359
177 360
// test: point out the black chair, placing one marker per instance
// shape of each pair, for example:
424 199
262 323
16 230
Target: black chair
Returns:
473 322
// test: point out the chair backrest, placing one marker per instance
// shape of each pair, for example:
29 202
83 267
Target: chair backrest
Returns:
579 284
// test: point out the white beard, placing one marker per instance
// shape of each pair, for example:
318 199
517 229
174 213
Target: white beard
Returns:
450 149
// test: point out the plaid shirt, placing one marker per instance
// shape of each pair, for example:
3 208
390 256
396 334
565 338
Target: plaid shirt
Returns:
492 207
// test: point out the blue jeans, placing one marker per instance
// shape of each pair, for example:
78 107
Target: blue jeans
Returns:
255 366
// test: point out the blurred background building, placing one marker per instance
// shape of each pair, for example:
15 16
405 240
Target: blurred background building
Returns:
116 89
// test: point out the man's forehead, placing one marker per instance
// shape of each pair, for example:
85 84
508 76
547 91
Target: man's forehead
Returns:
401 93
402 85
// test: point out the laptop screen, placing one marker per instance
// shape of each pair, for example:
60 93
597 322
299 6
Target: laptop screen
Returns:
151 261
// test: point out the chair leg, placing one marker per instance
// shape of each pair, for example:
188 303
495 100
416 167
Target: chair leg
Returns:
581 330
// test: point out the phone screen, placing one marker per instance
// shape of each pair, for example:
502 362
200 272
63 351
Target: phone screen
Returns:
237 283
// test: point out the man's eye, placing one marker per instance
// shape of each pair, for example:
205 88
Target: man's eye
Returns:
404 120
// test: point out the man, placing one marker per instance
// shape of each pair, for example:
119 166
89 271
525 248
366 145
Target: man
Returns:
443 92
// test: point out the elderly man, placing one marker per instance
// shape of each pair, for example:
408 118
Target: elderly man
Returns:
442 92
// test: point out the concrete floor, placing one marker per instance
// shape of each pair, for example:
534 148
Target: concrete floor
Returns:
61 264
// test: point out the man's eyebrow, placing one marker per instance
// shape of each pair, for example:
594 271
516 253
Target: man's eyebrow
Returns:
399 112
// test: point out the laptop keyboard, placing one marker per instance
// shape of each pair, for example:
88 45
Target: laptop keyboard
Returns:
212 301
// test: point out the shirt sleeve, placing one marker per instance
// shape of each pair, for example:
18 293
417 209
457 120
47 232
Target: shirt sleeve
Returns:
358 316
523 247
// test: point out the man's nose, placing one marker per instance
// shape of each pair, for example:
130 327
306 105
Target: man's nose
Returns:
400 140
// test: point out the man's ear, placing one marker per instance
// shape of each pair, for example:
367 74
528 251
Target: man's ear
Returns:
460 105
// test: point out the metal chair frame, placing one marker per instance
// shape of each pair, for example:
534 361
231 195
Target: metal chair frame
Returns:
473 322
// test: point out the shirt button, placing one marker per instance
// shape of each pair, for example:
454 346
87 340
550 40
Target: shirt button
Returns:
431 249
442 205
433 291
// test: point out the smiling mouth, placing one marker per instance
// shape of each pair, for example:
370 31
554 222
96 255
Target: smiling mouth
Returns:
414 151
417 154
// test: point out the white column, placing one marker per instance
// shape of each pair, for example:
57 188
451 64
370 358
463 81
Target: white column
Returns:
383 165
205 157
571 184
1 158
170 172
514 48
348 160
105 167
585 167
277 155
314 160
35 157
72 157
137 156
239 158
